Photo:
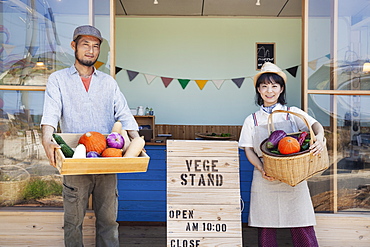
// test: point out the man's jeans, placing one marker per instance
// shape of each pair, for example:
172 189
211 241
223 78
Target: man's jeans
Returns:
76 192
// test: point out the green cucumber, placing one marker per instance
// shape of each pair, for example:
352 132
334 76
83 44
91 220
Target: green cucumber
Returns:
59 139
67 150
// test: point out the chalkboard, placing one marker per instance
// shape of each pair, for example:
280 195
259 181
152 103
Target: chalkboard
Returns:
265 53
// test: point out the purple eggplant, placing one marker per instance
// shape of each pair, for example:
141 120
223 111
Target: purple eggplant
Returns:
274 138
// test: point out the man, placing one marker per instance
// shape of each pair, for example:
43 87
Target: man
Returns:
82 99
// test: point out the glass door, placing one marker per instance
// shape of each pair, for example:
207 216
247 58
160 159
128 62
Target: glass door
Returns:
337 94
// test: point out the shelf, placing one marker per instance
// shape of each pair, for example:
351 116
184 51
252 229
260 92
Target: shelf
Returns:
146 120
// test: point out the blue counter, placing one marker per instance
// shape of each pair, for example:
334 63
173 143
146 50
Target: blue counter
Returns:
142 196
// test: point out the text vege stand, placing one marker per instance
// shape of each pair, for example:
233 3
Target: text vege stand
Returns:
203 194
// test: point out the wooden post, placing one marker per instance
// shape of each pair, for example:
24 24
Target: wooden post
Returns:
203 194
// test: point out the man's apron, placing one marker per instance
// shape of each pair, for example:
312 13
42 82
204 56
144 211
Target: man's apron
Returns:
273 203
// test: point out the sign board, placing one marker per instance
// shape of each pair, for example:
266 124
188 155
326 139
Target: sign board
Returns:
203 194
265 53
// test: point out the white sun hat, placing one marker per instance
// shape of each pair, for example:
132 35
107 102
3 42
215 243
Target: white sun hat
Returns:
270 68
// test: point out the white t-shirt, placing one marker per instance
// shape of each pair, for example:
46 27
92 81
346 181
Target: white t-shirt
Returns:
261 118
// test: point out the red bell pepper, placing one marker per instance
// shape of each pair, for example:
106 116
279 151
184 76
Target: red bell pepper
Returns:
302 137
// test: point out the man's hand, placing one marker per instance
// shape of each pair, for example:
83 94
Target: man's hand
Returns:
49 146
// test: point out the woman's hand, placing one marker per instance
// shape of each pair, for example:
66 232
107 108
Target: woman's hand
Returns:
317 147
265 176
319 144
253 158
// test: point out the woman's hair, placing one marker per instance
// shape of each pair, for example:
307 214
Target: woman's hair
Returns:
270 78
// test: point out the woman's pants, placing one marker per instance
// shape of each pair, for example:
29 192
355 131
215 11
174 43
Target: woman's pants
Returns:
301 237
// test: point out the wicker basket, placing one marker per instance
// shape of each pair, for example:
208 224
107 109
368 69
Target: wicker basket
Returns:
293 168
13 180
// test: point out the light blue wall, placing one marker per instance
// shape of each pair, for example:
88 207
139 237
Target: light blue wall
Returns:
202 48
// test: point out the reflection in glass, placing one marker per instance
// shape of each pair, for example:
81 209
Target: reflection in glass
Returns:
353 153
35 38
351 41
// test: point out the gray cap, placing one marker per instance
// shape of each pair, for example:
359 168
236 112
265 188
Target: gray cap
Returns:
87 30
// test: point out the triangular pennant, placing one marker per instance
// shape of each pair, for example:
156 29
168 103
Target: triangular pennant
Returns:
327 56
118 69
218 83
8 48
32 50
293 71
312 64
166 81
149 78
238 81
132 74
98 64
201 83
183 82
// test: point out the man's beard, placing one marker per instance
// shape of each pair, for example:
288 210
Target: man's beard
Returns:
87 63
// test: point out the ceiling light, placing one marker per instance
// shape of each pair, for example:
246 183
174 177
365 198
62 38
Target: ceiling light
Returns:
366 67
258 3
155 2
39 64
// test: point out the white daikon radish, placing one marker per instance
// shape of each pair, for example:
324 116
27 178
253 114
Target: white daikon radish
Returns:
80 152
127 140
136 146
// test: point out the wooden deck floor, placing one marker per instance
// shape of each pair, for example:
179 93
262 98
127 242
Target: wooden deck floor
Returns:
41 226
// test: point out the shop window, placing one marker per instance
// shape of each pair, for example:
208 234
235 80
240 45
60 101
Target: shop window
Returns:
338 96
35 41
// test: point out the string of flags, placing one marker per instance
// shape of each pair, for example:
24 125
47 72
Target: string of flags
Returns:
200 83
217 82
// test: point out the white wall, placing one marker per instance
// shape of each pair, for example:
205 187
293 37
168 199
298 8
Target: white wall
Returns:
201 48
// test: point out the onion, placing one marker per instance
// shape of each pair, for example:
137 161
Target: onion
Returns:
115 140
92 154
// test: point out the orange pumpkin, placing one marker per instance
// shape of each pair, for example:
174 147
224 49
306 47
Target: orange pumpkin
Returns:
93 141
289 145
112 152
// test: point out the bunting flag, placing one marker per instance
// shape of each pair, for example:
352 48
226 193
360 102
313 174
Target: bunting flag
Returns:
8 48
218 83
327 56
312 64
201 83
166 81
149 78
293 71
118 69
32 50
238 81
98 64
183 82
132 74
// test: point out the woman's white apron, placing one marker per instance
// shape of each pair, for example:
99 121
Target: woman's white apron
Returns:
276 204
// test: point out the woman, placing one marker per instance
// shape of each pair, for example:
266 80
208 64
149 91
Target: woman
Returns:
275 204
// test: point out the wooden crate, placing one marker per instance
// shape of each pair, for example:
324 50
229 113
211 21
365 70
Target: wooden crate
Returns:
102 165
